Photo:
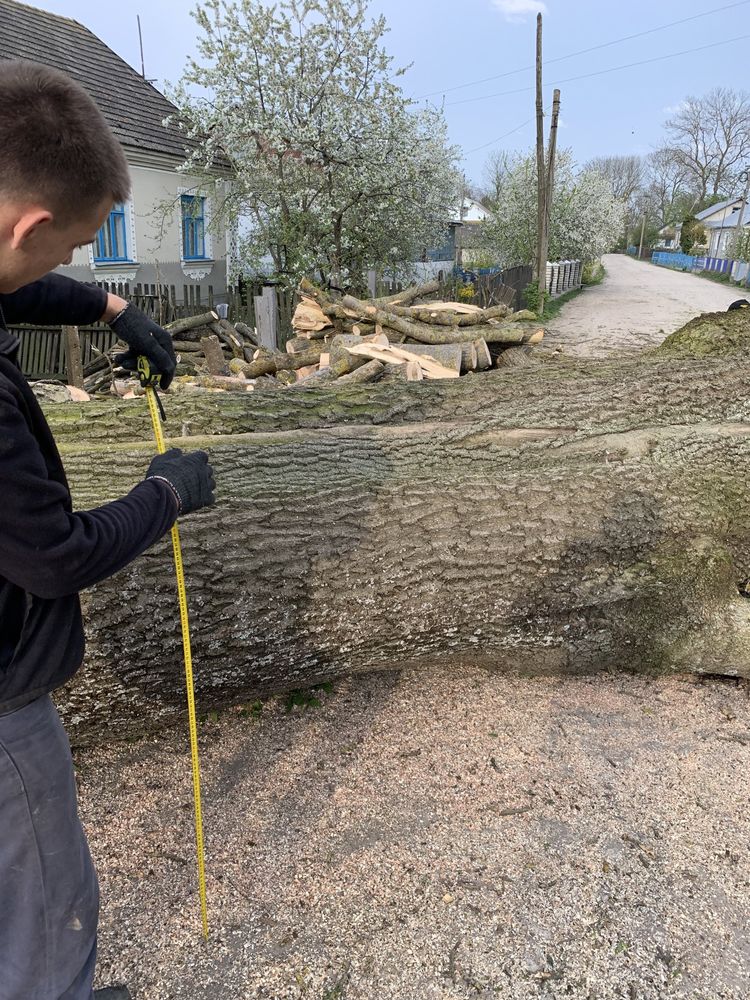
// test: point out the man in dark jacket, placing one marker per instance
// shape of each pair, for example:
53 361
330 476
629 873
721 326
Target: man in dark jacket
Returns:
61 170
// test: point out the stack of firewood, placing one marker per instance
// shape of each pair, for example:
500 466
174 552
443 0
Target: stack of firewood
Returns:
405 337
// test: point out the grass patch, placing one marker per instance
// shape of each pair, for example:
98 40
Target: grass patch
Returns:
553 306
593 273
305 698
720 279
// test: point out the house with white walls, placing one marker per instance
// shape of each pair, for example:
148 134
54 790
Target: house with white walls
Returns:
162 237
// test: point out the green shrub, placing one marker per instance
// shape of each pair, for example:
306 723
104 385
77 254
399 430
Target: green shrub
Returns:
592 273
531 297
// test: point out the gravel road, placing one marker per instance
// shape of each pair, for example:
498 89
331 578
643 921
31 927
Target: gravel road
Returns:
636 306
449 834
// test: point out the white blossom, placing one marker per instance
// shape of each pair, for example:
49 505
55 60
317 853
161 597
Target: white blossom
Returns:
585 218
333 171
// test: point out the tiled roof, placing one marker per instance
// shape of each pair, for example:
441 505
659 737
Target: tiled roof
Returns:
133 108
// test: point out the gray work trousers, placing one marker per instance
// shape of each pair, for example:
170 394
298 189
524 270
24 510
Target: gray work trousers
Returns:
49 896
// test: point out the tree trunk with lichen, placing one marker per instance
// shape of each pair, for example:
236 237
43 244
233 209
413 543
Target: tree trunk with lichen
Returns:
570 517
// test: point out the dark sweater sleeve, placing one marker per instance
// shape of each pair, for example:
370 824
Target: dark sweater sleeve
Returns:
55 299
51 552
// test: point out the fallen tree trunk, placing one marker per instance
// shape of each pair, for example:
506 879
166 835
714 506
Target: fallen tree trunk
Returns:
569 517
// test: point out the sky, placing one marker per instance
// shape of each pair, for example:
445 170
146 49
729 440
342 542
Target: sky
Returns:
451 44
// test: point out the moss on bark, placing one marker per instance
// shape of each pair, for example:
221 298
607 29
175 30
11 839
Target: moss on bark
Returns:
719 334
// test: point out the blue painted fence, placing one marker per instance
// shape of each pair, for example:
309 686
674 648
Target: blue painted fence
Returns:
686 262
678 261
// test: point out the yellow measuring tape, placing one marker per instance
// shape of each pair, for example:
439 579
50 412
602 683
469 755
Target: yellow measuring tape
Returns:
147 381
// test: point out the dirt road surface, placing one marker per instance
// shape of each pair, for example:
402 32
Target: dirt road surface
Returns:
636 306
451 834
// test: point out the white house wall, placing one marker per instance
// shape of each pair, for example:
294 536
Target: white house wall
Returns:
154 232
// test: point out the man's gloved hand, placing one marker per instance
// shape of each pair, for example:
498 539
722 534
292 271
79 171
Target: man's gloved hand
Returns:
190 477
144 337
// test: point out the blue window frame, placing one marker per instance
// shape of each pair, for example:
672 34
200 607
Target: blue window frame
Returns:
111 240
193 227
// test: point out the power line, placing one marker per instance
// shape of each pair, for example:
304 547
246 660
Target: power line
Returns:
592 48
601 72
499 138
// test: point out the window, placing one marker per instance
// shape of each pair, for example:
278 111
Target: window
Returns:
193 227
111 241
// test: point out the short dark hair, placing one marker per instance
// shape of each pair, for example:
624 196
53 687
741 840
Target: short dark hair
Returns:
54 142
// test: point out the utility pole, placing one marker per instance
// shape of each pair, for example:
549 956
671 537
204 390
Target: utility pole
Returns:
541 248
640 246
550 181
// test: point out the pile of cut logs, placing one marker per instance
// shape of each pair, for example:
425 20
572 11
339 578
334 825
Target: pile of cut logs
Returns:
204 346
405 337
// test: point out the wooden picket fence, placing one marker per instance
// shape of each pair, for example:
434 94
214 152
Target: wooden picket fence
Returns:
42 353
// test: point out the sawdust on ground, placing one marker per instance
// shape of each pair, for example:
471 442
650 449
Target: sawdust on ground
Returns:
437 835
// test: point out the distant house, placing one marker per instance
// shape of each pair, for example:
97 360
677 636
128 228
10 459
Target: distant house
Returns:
720 222
461 238
668 238
139 246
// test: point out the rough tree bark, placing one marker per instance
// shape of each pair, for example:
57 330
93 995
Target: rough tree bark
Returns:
570 517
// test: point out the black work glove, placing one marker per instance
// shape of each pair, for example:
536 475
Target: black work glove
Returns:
144 338
190 478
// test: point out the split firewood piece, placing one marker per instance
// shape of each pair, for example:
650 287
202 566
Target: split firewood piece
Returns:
249 334
521 315
392 355
302 373
448 355
340 344
323 375
191 323
468 358
227 333
363 329
368 372
309 317
484 358
301 345
516 357
215 360
407 371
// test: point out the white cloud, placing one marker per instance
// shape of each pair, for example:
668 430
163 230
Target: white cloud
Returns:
518 10
673 109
